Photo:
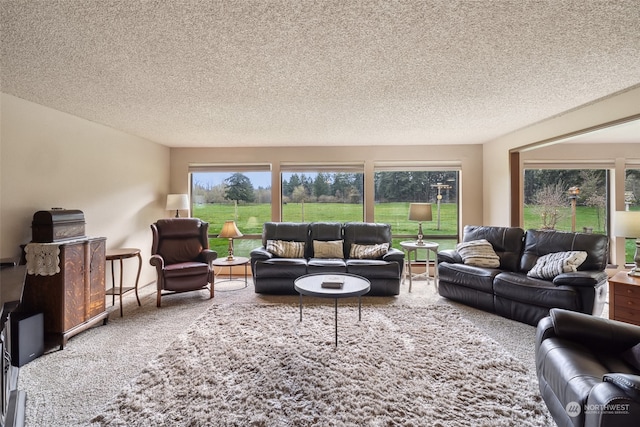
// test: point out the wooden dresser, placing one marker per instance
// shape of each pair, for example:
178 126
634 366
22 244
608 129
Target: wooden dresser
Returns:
624 298
73 299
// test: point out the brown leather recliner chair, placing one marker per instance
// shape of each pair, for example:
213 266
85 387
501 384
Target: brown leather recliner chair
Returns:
181 255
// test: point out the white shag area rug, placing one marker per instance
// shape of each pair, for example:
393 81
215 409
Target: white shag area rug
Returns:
258 365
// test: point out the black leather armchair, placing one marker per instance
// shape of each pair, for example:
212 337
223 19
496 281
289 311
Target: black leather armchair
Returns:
181 255
583 369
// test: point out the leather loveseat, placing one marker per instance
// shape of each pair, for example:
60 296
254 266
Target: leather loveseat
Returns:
507 289
588 369
326 247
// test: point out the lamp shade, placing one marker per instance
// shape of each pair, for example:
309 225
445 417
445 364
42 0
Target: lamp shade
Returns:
627 224
229 230
177 202
420 212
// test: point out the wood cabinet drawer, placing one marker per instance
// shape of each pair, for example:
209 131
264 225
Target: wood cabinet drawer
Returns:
628 290
627 314
624 301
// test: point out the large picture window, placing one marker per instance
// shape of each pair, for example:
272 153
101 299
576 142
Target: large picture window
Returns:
566 199
241 193
397 188
322 193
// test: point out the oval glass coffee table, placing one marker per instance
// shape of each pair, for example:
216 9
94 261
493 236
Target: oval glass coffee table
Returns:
352 286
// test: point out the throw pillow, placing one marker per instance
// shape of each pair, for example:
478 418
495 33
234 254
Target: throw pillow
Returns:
286 249
368 251
328 249
550 265
478 253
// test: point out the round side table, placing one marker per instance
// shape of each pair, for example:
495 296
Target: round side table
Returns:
121 254
224 262
412 246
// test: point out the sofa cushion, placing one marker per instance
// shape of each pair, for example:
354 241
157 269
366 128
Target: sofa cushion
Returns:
328 249
550 265
542 293
286 249
281 268
479 253
632 356
373 268
468 276
324 265
368 251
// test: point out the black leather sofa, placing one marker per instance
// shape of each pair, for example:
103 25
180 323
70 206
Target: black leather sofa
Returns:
509 292
586 370
274 274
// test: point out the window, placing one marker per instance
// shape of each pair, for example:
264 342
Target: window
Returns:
322 192
398 186
566 199
232 192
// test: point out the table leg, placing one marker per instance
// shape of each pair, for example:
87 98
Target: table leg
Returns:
121 279
411 272
138 278
301 307
336 315
113 285
359 308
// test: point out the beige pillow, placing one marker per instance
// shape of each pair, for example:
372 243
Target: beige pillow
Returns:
328 249
368 251
478 253
286 249
550 265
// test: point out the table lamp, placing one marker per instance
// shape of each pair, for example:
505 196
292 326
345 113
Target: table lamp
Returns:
420 212
230 231
177 202
627 224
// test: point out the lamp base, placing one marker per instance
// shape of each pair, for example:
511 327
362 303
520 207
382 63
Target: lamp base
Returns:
230 256
420 235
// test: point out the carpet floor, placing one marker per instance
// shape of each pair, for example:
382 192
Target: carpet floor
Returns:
101 374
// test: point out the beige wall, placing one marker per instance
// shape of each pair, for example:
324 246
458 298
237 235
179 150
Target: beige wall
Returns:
468 156
52 159
496 183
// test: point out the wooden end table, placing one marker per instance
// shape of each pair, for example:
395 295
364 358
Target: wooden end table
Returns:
624 298
120 255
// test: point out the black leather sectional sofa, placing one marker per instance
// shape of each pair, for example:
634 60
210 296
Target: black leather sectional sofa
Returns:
509 292
273 274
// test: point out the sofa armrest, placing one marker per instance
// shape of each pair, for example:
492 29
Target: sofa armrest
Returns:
449 255
394 255
610 406
594 332
580 278
208 255
544 330
157 261
261 253
628 383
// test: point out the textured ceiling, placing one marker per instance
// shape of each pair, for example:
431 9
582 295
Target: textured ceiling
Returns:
292 73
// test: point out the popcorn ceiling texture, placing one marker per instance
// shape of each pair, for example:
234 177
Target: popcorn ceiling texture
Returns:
281 72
